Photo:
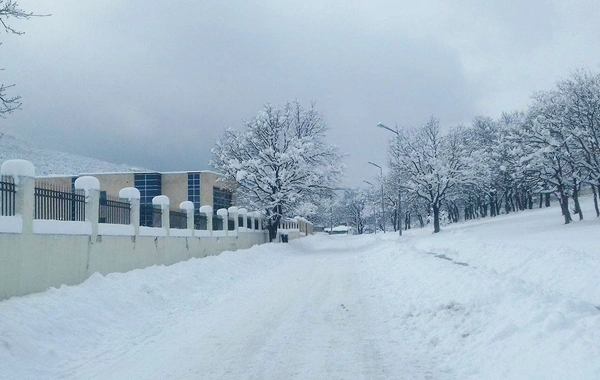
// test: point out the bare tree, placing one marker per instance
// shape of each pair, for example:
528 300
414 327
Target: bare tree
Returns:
10 9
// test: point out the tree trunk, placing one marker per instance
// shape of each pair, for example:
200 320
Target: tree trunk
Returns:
272 231
541 200
547 200
436 218
594 189
576 199
564 206
507 203
421 222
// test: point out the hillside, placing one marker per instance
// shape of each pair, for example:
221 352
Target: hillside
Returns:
49 162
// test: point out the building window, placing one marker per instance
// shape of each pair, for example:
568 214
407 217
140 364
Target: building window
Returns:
194 189
194 197
149 185
221 198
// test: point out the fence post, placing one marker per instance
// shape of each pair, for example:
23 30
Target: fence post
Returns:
163 202
188 207
91 187
208 211
244 214
23 174
222 212
133 196
233 213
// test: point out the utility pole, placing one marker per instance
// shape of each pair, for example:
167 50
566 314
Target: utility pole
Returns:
399 206
382 198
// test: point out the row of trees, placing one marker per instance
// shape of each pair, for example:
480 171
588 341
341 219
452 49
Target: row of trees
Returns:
495 166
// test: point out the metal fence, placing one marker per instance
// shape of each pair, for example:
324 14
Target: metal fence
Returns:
200 222
7 197
114 211
58 204
217 223
178 219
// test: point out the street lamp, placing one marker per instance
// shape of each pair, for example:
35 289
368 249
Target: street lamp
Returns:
382 201
399 207
374 213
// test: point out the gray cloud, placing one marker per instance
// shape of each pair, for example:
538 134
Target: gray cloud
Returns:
154 84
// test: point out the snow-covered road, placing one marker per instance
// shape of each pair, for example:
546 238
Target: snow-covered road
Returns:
366 307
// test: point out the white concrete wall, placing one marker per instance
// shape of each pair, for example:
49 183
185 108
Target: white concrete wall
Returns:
32 263
38 254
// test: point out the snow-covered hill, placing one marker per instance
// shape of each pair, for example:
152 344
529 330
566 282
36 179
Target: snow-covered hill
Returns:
48 161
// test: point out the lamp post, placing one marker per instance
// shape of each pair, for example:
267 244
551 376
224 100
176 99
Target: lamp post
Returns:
399 207
374 214
382 201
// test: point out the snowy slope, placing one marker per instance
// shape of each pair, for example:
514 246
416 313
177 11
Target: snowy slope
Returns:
48 161
514 297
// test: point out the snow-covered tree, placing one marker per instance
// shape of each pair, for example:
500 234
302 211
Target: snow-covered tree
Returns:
428 164
353 206
281 161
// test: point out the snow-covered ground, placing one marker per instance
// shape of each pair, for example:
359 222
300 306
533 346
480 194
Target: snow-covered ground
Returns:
515 297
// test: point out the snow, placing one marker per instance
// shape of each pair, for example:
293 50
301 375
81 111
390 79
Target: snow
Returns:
11 224
160 200
511 297
222 212
187 205
61 227
232 210
17 168
115 229
129 193
87 183
48 162
152 231
206 209
243 211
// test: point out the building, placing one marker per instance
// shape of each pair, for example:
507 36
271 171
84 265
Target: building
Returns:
200 187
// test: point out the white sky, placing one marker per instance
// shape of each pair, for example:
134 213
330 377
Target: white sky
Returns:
153 84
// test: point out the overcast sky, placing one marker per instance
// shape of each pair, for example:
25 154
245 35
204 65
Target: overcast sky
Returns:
154 83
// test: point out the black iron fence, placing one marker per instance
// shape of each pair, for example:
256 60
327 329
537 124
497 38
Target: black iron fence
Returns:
54 203
178 219
7 197
114 211
200 222
217 223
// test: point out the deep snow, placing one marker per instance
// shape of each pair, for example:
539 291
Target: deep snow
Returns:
514 297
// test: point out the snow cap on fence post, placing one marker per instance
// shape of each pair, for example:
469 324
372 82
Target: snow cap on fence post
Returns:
91 187
163 202
188 207
244 213
222 212
208 211
233 212
133 196
23 176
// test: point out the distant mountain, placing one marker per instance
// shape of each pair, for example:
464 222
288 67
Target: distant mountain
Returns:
49 162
